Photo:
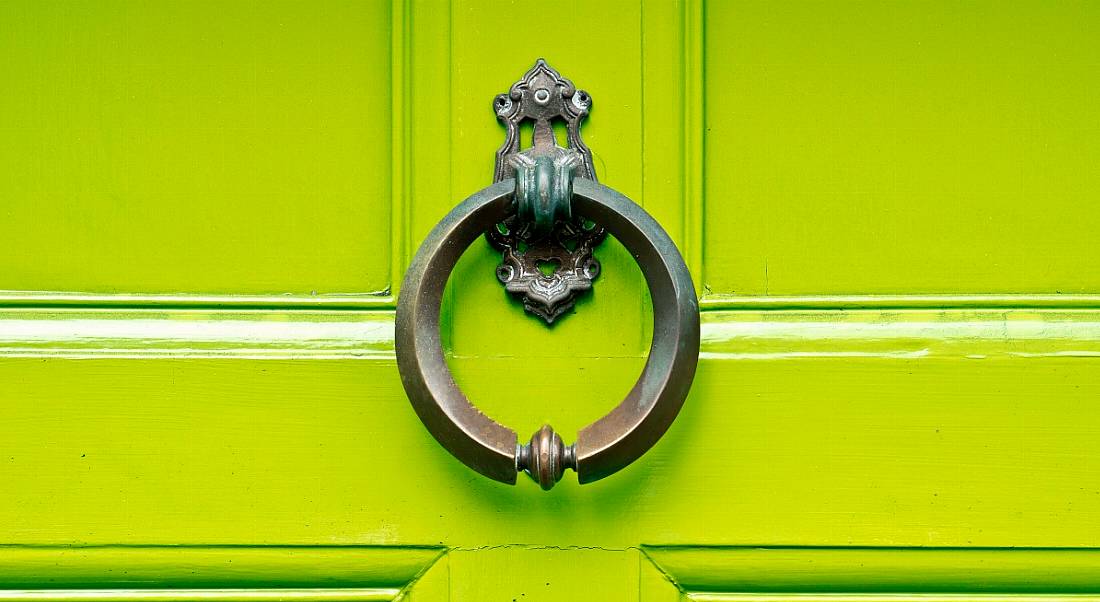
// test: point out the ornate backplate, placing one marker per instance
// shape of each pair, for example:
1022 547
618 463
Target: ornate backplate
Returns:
546 262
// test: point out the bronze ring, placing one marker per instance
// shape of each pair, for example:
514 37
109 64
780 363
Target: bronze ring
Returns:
603 447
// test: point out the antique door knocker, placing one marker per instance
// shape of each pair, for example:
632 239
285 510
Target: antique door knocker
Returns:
547 207
543 229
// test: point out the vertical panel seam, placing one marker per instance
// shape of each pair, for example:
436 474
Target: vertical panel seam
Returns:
693 139
400 156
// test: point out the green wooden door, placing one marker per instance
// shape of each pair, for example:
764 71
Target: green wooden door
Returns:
890 209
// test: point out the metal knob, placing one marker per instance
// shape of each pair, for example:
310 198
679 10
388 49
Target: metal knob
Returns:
546 457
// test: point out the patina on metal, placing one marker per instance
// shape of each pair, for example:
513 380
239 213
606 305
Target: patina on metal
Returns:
603 447
546 250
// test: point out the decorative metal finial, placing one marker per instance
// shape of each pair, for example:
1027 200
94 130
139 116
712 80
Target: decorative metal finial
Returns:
547 251
546 457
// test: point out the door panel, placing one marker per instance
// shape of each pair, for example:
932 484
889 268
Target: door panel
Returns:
901 148
196 147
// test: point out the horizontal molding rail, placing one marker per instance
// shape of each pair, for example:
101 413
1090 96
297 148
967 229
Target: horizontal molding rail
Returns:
913 334
387 300
372 300
1030 301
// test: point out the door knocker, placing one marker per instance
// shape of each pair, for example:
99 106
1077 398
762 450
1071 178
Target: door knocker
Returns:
546 206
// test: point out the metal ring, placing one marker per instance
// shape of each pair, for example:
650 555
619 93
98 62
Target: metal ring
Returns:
603 447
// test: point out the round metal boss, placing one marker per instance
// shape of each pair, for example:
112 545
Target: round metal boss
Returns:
608 444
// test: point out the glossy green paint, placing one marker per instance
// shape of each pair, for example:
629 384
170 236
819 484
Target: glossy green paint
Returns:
951 429
195 147
899 371
902 148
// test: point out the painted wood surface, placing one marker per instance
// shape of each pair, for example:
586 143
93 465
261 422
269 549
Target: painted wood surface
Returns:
195 147
772 573
901 148
887 207
941 428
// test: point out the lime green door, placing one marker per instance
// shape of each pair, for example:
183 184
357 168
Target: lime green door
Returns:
890 211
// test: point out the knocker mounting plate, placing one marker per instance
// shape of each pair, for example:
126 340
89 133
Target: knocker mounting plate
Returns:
546 250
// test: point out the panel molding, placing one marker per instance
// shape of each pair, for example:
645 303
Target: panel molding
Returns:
211 573
948 597
980 301
148 333
339 594
388 300
376 300
767 574
401 172
694 139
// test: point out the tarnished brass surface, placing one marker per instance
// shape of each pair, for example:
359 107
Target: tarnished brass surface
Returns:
602 447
